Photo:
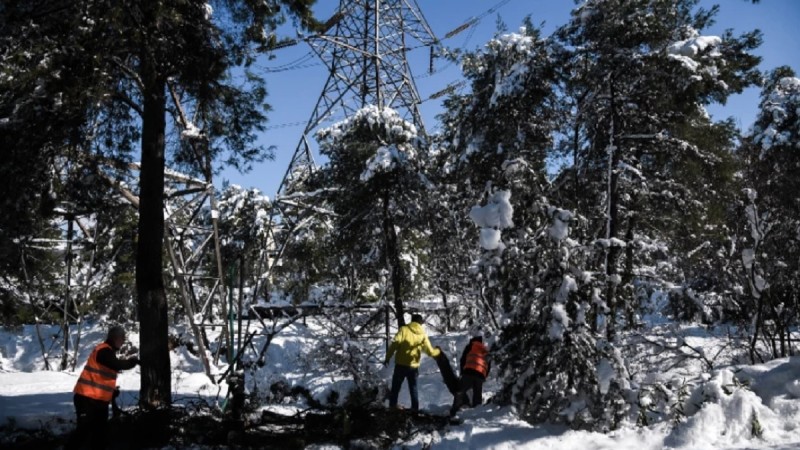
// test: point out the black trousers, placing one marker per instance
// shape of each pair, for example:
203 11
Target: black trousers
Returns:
92 423
404 373
469 381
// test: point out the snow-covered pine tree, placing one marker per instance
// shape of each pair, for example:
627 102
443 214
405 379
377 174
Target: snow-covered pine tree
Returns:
302 241
647 161
105 68
373 186
243 226
496 136
551 366
449 250
769 221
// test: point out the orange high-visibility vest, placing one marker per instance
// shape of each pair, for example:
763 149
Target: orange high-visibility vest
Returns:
97 381
476 358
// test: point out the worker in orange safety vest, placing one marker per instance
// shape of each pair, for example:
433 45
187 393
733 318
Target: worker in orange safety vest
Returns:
475 368
96 388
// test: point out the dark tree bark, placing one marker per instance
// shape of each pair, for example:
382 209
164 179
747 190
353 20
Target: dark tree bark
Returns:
393 258
151 296
613 226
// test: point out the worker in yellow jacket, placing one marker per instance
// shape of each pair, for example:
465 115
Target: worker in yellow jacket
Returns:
408 345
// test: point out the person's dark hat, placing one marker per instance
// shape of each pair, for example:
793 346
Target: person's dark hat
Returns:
417 318
116 331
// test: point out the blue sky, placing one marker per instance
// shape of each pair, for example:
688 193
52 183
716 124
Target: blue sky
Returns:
293 93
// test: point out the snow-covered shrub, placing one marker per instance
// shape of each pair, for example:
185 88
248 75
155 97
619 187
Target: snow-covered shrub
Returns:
722 411
554 367
347 350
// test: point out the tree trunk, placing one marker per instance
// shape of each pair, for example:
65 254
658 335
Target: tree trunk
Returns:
627 276
151 296
756 331
446 312
393 260
612 226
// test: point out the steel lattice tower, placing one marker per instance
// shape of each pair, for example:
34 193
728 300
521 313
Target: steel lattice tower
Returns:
364 47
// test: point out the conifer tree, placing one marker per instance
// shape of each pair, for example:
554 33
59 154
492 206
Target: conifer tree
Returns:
496 138
374 186
554 367
647 162
104 71
551 365
768 217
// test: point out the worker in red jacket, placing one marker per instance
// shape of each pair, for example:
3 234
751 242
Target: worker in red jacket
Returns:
475 367
96 388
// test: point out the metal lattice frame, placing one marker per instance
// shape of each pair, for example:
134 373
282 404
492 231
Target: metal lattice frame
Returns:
366 57
365 53
192 245
74 249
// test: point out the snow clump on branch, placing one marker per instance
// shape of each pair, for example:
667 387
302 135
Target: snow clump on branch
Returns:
511 80
397 135
493 217
782 108
388 124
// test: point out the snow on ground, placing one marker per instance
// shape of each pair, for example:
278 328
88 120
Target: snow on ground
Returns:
32 398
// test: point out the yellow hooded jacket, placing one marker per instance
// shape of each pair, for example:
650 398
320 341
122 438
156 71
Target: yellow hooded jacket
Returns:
409 343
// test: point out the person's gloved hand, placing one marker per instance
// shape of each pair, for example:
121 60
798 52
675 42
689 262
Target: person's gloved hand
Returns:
115 410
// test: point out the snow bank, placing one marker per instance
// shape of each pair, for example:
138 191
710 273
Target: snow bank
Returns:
733 415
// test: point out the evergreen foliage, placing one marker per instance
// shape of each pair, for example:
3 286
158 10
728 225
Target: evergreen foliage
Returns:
495 140
639 74
767 240
374 186
108 66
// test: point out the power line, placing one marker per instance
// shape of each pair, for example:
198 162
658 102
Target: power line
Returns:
470 24
291 64
473 21
297 67
284 125
451 87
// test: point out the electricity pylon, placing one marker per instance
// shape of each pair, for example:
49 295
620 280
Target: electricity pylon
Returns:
364 46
